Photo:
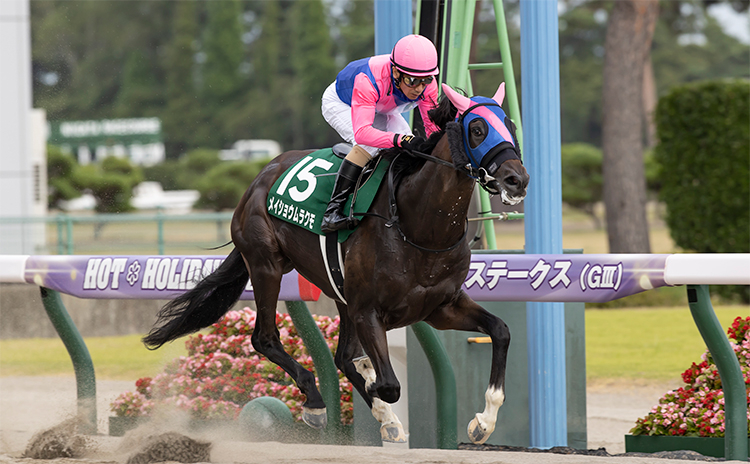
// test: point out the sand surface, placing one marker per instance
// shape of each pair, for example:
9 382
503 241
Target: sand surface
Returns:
29 405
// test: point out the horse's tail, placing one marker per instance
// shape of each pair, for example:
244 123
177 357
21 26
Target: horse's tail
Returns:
203 305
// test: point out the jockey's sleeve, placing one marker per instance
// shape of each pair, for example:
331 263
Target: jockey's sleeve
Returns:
364 102
428 102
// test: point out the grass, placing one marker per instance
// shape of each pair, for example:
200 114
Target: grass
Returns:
114 358
654 344
578 233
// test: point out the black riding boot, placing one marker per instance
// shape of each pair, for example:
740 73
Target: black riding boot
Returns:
333 218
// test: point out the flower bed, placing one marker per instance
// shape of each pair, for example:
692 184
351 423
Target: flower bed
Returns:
696 409
222 372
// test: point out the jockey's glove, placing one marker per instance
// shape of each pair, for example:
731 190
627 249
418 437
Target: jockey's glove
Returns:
410 142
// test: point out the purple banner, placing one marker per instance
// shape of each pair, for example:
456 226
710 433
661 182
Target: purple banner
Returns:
491 277
146 277
561 278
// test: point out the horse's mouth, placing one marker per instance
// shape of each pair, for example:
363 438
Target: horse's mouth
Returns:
509 200
495 188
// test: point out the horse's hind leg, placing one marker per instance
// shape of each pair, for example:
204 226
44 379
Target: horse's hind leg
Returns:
358 369
467 315
266 281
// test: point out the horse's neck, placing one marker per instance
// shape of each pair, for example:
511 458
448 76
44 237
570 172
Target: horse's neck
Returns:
435 198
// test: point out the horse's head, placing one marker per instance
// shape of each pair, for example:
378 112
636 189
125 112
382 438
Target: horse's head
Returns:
488 140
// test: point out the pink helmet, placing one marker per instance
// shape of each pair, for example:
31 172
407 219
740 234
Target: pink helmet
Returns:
415 55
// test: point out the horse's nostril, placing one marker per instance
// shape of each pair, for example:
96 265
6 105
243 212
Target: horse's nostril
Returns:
511 180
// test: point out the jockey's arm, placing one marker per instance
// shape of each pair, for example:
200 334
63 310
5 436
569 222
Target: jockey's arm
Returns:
364 101
428 102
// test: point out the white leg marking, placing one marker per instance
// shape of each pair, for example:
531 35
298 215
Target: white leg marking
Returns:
391 429
365 369
483 424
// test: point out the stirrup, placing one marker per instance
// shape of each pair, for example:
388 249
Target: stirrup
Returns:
333 224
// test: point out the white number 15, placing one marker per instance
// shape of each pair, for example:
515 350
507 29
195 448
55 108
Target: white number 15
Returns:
304 175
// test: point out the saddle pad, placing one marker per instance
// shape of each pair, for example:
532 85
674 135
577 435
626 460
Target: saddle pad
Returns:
300 196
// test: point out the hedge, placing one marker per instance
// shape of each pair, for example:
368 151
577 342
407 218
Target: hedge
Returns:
704 156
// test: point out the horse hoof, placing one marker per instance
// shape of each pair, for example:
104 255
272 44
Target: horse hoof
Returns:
477 433
315 418
392 433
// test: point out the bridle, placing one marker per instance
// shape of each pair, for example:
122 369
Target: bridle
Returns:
479 175
478 172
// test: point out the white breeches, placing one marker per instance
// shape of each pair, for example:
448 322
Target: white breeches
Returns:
339 115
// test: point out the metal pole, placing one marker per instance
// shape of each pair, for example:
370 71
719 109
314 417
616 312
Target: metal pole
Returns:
730 372
392 21
69 232
79 355
489 226
160 230
60 240
445 385
328 376
545 323
510 77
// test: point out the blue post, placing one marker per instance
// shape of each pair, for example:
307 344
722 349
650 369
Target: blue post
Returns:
392 21
540 82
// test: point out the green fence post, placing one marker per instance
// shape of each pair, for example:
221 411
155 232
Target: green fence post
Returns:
160 230
445 385
79 354
69 232
60 240
733 384
328 376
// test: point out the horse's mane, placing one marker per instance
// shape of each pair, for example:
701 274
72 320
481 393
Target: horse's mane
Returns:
440 115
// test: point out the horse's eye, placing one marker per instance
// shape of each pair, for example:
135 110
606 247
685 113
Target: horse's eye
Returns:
477 132
478 128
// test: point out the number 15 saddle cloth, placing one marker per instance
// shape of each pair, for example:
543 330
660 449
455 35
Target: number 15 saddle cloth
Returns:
301 194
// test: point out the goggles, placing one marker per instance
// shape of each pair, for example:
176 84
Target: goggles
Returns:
412 82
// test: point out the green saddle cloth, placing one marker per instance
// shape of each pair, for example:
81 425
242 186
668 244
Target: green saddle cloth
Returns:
300 196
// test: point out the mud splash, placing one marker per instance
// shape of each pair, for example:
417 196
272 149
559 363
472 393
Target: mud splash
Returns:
61 441
171 446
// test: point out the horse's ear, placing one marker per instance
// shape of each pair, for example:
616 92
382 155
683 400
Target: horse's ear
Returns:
500 94
459 101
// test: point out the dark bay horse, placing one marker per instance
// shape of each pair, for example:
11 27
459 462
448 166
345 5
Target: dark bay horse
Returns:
394 276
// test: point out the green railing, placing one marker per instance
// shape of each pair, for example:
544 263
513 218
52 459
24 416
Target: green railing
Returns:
66 237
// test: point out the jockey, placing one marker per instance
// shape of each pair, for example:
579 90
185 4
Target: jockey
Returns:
364 106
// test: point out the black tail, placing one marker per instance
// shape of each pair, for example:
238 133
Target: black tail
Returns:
201 306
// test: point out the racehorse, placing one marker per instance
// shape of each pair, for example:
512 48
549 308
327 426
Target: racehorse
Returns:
397 273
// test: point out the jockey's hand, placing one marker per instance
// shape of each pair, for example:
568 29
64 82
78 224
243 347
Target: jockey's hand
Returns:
411 142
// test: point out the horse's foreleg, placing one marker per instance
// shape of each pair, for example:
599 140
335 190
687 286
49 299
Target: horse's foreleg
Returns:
266 341
349 348
391 429
467 315
380 380
371 334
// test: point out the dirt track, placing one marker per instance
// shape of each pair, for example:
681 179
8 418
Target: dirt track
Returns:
31 404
